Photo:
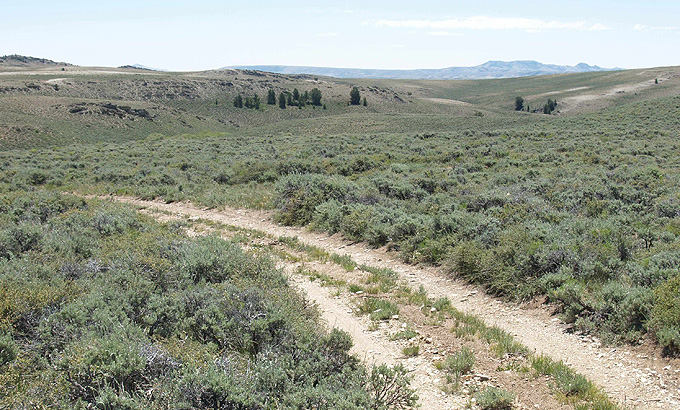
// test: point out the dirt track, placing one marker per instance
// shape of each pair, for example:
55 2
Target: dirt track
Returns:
627 375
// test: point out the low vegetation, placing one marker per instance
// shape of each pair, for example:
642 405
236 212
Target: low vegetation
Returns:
103 308
587 218
378 309
567 385
457 365
493 398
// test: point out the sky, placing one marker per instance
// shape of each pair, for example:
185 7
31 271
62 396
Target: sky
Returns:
389 34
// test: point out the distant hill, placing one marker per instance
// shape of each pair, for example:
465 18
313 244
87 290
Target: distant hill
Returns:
490 69
16 60
141 67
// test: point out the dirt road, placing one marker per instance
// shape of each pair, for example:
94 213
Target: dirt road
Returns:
629 376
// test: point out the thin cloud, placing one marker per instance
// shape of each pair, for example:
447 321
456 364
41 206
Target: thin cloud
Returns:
642 27
443 34
491 23
328 34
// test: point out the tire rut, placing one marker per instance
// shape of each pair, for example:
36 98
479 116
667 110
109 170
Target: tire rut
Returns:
627 375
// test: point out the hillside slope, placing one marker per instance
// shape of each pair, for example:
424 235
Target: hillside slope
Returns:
46 103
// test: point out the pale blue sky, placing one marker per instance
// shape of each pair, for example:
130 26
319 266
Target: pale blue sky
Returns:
202 34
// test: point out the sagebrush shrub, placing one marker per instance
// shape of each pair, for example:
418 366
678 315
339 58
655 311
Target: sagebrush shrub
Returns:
666 315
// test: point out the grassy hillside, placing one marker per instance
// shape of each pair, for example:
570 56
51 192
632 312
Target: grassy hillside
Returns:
44 105
500 94
54 107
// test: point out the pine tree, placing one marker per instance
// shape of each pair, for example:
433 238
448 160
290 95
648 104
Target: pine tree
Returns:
296 94
271 97
238 101
365 103
315 96
519 103
550 106
282 100
256 102
354 96
290 99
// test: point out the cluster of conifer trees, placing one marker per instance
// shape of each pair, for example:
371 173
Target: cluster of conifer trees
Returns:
548 107
295 99
286 98
248 102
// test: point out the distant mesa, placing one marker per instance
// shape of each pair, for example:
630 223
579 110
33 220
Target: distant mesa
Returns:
15 60
141 67
490 69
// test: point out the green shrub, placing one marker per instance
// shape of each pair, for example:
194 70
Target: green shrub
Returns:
623 311
215 388
378 309
134 307
404 335
493 398
329 216
297 196
345 261
665 320
22 238
355 223
95 364
442 304
411 350
458 364
8 349
385 278
503 342
214 260
389 388
109 399
564 378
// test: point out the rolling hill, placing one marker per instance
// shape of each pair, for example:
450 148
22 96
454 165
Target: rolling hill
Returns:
43 103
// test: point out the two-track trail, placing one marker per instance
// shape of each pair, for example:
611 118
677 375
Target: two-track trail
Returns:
631 377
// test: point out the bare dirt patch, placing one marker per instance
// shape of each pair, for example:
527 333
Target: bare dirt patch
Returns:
447 101
558 92
592 101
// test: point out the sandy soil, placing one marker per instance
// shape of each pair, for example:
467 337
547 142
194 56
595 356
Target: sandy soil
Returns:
628 375
446 101
557 92
372 346
577 102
